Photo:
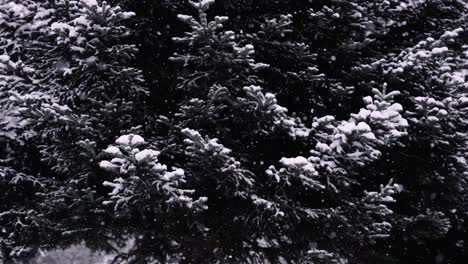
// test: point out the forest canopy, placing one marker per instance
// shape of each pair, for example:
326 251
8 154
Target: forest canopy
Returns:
235 131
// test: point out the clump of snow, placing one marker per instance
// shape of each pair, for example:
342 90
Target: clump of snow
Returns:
146 154
203 4
113 150
117 185
363 127
4 58
64 27
107 165
90 2
347 128
127 15
437 51
18 10
297 161
451 34
183 17
81 20
423 54
41 14
191 133
173 175
130 140
459 77
322 147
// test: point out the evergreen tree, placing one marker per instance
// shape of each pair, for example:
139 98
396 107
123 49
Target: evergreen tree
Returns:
77 94
226 131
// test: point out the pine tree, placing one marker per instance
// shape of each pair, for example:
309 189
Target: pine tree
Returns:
256 131
78 93
223 175
435 87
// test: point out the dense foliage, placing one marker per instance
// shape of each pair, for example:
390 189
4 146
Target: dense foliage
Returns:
235 131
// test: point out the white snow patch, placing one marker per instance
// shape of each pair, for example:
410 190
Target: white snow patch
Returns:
363 127
440 50
130 140
297 161
107 165
146 154
90 2
113 150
